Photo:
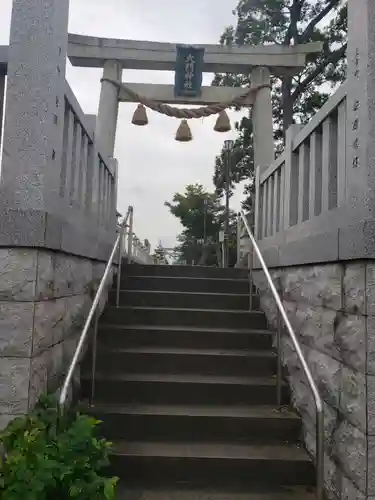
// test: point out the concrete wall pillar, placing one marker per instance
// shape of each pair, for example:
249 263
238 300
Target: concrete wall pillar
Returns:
46 158
34 115
360 158
45 293
264 151
290 201
32 350
108 108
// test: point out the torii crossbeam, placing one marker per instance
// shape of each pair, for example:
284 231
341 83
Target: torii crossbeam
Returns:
259 62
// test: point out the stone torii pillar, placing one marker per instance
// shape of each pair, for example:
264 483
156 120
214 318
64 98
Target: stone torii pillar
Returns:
264 149
106 124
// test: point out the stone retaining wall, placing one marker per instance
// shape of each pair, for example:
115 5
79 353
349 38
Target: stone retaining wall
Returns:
44 300
332 309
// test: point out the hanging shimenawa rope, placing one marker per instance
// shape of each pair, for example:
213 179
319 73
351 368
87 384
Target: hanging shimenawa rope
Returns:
185 113
184 133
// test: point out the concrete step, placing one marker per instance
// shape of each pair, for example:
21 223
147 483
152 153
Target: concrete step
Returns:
210 464
119 336
183 317
184 361
184 284
184 271
257 493
119 388
246 424
187 300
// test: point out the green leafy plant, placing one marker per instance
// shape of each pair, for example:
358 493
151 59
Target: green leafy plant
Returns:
49 455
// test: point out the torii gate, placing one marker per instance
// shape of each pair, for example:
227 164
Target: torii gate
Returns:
114 55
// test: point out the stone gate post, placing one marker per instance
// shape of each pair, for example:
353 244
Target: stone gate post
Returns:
358 241
264 151
53 244
108 107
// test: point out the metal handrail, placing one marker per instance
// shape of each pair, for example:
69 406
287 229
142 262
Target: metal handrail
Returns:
118 245
317 398
124 229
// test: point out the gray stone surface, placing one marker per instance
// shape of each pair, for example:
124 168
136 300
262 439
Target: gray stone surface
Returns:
52 247
331 479
69 347
16 329
349 491
98 269
309 419
330 311
55 366
45 275
35 95
49 327
71 275
355 288
332 305
48 297
18 269
371 465
370 288
370 338
350 451
326 372
371 405
77 309
5 419
267 303
353 397
14 385
345 230
289 356
317 286
38 376
315 325
40 229
350 341
38 208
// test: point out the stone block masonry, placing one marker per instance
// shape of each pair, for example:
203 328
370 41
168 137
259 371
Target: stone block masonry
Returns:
332 309
44 300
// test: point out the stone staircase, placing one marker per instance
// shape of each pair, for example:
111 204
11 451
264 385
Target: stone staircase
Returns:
186 390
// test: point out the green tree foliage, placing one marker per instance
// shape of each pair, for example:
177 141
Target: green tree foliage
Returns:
53 454
190 207
241 163
159 252
295 99
201 214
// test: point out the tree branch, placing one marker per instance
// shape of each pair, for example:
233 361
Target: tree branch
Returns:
333 58
307 34
295 14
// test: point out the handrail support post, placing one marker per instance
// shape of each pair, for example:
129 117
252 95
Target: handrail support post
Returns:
250 257
94 357
320 453
279 360
119 267
130 236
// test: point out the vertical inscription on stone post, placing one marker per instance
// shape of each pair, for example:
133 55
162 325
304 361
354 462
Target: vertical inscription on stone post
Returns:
356 121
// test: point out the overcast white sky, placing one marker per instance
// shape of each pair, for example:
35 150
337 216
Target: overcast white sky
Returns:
152 164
